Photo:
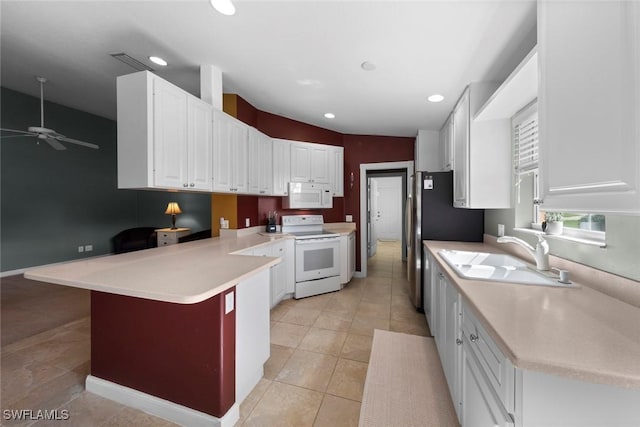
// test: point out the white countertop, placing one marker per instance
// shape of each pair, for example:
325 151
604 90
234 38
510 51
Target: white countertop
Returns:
573 332
186 273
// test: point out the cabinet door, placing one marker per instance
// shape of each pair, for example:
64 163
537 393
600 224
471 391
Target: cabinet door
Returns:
446 144
200 142
266 165
253 161
279 273
589 106
170 135
452 341
221 151
352 255
281 167
239 135
319 164
336 170
300 162
480 407
461 151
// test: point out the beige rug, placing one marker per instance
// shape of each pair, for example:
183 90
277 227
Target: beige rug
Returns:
405 384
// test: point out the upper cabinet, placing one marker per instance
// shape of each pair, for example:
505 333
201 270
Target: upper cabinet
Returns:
309 162
164 135
281 166
427 151
446 144
481 153
229 153
589 106
336 170
260 163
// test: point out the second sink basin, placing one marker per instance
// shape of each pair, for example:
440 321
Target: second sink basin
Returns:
495 267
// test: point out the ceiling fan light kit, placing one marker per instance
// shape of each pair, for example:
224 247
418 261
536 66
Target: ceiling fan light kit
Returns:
50 136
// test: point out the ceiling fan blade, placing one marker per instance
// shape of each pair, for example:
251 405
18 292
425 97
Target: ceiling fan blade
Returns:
55 143
75 141
20 132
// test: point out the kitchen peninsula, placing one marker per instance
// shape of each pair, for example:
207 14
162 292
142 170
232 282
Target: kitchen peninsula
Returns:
180 331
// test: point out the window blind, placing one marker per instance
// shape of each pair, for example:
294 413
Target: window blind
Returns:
526 143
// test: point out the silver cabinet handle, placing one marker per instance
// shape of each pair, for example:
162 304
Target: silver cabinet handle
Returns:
441 275
473 337
192 185
458 341
185 185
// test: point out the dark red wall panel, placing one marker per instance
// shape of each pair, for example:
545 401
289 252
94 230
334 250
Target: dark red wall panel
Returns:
284 128
184 353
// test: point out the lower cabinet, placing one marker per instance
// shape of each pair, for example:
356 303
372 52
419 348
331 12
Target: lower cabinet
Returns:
347 257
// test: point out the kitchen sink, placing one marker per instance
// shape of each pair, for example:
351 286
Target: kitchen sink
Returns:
495 268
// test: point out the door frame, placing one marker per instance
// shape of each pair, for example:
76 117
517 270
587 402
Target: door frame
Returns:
373 167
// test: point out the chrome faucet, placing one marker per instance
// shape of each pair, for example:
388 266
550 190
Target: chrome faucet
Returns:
540 253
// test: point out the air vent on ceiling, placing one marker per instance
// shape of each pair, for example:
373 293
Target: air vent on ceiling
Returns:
132 62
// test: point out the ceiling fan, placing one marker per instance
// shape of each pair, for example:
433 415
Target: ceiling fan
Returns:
50 136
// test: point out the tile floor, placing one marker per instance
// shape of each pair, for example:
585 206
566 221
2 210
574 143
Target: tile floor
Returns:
319 352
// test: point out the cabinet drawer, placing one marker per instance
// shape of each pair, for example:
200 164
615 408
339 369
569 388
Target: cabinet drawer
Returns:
497 367
167 238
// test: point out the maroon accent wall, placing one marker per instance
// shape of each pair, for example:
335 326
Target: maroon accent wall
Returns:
360 149
357 149
184 353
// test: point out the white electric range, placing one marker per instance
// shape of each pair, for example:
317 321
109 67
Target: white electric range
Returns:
317 255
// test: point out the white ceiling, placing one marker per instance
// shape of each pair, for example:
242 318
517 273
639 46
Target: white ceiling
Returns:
297 59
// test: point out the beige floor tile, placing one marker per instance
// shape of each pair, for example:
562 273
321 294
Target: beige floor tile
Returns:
87 410
20 375
253 398
378 298
348 379
337 412
407 314
284 405
365 325
278 311
323 341
308 369
357 347
133 417
277 359
287 335
301 316
334 320
413 328
374 309
317 302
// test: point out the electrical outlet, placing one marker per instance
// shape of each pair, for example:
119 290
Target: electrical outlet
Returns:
88 248
349 218
80 248
247 222
500 230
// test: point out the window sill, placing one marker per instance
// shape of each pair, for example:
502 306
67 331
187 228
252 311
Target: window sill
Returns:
583 241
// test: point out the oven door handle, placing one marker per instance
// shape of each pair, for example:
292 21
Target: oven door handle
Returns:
316 241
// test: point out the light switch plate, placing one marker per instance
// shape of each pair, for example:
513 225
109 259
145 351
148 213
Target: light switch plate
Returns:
247 222
229 302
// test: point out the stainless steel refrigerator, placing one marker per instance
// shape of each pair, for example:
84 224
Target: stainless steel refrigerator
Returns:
431 216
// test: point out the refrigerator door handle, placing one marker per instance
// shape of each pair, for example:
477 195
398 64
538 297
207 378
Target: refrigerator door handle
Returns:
408 208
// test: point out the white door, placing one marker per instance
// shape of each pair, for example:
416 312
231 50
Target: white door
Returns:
200 144
372 186
388 216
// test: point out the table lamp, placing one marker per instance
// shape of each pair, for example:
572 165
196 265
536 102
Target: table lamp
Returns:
173 209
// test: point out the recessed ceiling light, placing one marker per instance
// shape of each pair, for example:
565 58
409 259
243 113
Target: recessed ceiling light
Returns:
330 115
435 98
158 60
368 66
225 7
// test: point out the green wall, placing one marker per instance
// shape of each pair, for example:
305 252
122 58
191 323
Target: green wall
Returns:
54 201
621 256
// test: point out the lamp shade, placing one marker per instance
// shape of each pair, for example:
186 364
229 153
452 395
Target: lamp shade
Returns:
173 209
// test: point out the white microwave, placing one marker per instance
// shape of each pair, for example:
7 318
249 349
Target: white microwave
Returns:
307 195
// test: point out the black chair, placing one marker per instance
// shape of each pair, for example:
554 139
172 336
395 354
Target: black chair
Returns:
135 239
204 234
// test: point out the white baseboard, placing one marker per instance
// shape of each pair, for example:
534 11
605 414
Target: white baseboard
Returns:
359 275
160 407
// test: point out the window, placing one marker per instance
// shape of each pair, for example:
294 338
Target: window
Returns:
529 214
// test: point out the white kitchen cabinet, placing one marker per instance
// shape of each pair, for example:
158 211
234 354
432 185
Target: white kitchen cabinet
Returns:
281 166
229 153
446 144
260 163
336 170
347 253
279 273
482 164
480 408
589 106
309 162
427 151
164 135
